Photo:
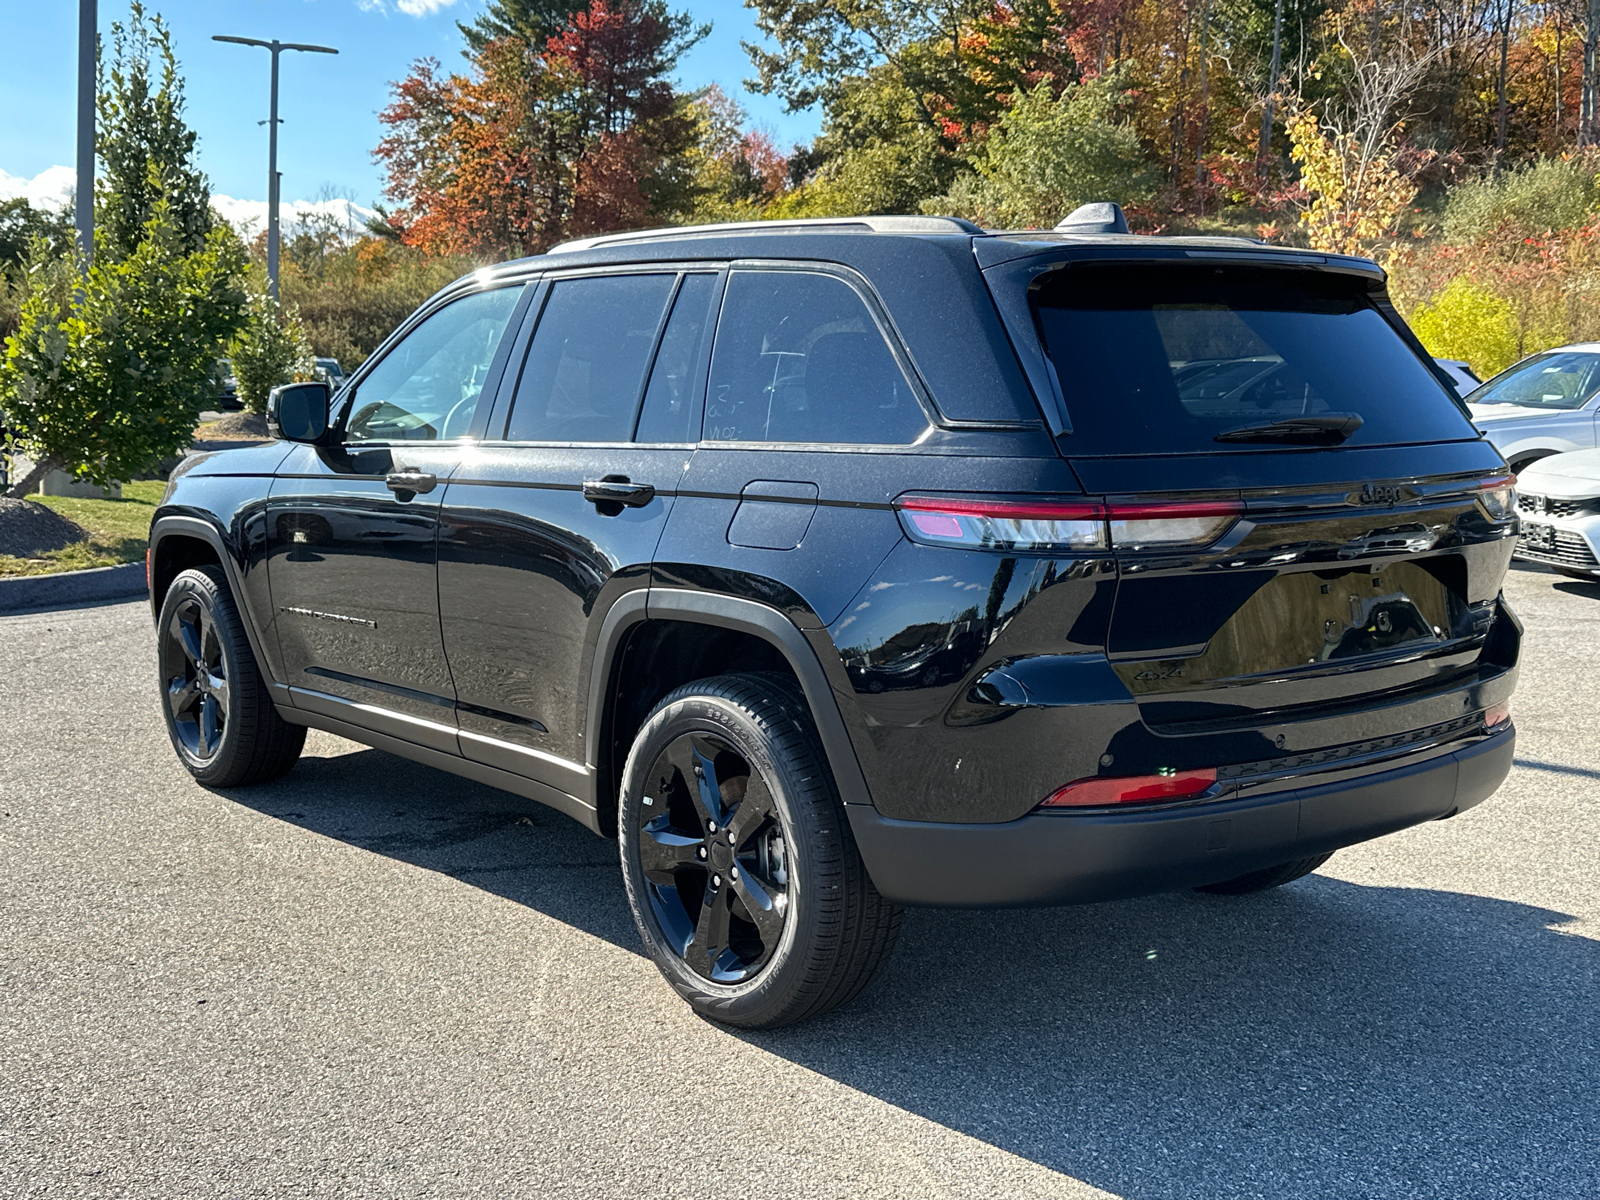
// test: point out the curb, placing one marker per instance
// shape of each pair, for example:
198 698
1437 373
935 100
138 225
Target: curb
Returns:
71 588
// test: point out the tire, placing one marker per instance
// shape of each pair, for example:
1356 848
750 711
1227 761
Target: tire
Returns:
749 893
1269 877
219 715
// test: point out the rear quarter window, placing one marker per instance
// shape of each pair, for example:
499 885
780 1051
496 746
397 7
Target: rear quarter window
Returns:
798 357
1162 359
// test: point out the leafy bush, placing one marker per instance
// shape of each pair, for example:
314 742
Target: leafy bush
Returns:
111 378
1468 322
1048 155
269 350
350 297
1548 194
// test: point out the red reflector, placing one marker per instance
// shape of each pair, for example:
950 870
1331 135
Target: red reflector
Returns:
1011 510
1496 715
1132 789
147 584
937 524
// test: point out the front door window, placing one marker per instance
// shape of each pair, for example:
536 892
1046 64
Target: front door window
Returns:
427 388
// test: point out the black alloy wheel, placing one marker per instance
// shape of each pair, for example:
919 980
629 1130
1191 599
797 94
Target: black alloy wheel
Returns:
195 676
218 709
737 857
712 851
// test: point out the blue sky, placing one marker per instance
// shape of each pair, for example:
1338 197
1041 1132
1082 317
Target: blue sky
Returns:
329 105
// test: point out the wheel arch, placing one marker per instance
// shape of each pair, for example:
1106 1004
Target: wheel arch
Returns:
1521 459
750 635
178 542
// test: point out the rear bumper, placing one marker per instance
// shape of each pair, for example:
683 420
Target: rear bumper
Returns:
1073 858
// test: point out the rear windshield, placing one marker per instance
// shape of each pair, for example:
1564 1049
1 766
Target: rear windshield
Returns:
1163 360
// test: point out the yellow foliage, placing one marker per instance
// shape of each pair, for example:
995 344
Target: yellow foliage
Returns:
1465 321
1352 206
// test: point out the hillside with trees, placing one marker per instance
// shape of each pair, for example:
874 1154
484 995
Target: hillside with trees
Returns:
1455 141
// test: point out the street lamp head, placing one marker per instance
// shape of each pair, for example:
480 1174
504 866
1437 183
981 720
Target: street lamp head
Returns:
273 46
276 47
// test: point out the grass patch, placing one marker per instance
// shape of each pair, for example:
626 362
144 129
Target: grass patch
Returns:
119 531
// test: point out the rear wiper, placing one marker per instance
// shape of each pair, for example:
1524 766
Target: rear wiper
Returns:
1328 429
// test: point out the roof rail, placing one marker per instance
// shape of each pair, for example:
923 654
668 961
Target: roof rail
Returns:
874 224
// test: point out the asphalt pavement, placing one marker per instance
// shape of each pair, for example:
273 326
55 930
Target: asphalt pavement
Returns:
373 979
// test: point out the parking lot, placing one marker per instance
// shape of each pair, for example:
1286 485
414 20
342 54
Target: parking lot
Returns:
373 979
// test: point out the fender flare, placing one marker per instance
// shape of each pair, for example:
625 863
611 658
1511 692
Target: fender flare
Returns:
170 524
745 616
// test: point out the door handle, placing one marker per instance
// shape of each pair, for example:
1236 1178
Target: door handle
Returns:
615 491
408 482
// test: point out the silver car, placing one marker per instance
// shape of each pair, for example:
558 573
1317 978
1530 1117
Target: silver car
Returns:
1546 404
1558 498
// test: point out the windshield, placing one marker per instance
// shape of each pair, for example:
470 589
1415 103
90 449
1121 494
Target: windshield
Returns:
1559 379
1173 359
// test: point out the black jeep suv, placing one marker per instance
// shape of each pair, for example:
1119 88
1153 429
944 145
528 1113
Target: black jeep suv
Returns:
832 566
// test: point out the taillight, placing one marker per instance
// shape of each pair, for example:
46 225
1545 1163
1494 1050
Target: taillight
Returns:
1065 524
1497 715
1102 792
1179 524
1002 524
1498 496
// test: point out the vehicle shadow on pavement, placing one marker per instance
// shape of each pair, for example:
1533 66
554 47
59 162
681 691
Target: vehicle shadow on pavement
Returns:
1588 589
1328 1038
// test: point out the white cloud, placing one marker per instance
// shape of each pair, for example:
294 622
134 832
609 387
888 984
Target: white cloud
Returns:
50 188
250 216
53 188
412 8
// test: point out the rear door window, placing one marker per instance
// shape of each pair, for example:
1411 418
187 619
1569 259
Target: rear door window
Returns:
671 409
1162 360
585 368
799 358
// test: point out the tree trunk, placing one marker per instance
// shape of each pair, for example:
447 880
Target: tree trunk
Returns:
1205 102
22 488
1558 77
1589 100
1264 146
1500 86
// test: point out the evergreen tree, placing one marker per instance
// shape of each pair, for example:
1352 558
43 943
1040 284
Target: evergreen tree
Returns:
531 22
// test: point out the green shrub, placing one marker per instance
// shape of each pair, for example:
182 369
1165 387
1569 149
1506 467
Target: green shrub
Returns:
1465 321
1048 155
270 350
353 296
1547 194
108 379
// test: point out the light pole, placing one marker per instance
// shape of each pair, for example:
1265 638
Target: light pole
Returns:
275 47
84 217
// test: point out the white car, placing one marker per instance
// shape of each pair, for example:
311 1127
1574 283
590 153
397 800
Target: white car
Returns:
1546 404
1461 374
1559 500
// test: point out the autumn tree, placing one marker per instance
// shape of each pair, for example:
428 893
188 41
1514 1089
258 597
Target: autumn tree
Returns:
536 143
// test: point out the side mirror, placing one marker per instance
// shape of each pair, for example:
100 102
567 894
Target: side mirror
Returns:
298 412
